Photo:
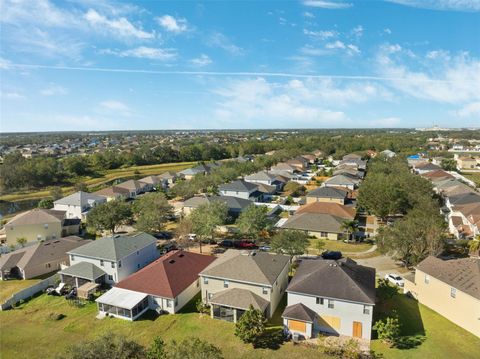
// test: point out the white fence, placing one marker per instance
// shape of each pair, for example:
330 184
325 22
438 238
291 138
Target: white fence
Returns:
28 292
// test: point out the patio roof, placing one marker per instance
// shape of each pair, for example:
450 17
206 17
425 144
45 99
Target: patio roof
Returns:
121 298
240 299
84 270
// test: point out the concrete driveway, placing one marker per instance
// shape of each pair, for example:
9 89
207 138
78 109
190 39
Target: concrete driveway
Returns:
384 265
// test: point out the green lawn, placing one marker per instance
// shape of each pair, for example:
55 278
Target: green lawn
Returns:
426 333
475 177
9 287
45 337
340 246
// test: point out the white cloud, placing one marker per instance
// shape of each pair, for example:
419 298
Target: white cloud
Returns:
217 39
202 60
314 51
143 52
115 107
322 34
335 45
357 31
353 49
455 5
308 15
438 55
5 64
121 27
11 95
53 90
387 31
171 24
469 110
327 4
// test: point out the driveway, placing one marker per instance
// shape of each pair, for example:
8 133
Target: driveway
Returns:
384 265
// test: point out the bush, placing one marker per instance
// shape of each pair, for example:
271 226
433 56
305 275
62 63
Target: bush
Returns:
202 307
385 290
55 316
250 326
388 330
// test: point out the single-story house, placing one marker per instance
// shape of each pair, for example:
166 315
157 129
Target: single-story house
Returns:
235 205
113 192
134 187
319 225
241 189
327 194
343 180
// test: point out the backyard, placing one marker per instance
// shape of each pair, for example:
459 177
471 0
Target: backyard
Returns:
475 177
9 287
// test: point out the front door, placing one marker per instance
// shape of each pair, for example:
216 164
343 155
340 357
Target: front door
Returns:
357 329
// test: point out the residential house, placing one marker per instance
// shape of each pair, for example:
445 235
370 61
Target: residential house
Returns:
283 167
310 158
110 259
40 224
267 178
168 178
335 209
351 156
240 279
333 297
359 164
327 194
151 182
449 287
38 258
113 192
343 180
134 187
241 189
466 163
78 204
189 173
438 174
319 225
422 168
166 284
235 205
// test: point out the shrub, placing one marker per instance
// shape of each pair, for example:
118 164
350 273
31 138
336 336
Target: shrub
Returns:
388 330
202 307
385 290
250 326
55 316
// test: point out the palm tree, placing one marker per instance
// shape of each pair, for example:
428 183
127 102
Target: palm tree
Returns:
474 245
350 227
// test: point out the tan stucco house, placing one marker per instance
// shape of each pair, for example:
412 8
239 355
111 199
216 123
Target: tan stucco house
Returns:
451 288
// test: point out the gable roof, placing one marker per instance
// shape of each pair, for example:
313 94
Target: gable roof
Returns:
342 279
79 198
342 179
261 176
131 185
150 180
37 216
168 175
465 198
238 186
169 275
116 247
41 252
352 156
84 270
437 174
266 188
248 266
428 167
315 222
112 191
239 298
328 192
462 273
334 209
300 312
232 202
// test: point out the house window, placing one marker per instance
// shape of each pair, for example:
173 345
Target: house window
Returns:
138 265
453 292
138 253
198 282
210 295
48 265
45 225
205 280
427 279
225 284
176 301
169 303
265 290
323 234
331 304
113 264
72 257
110 277
366 309
319 300
119 264
101 262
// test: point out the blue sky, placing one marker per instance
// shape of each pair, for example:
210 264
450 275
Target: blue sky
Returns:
101 64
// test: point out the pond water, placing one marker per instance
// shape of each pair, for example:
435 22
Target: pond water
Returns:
7 208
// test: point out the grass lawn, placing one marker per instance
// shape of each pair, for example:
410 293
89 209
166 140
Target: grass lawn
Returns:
9 287
475 177
426 333
104 177
31 324
340 246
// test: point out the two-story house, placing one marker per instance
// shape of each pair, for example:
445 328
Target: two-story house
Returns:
266 178
449 287
241 189
240 279
78 204
333 297
110 259
327 194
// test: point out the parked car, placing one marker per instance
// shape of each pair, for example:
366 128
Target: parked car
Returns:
226 243
168 247
335 255
218 250
395 279
163 235
265 248
245 245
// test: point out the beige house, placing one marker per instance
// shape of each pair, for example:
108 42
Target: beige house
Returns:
327 194
451 288
40 224
466 163
113 192
240 279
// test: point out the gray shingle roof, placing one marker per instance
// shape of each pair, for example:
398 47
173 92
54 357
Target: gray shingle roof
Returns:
80 198
248 266
239 298
261 176
327 192
466 198
116 247
342 279
462 274
37 216
342 179
315 222
131 185
239 186
234 203
84 270
300 312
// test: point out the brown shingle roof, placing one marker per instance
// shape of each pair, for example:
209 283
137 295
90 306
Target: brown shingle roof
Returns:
169 275
333 209
462 274
239 298
299 312
37 216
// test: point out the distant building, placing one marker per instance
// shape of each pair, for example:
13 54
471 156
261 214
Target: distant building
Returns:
78 204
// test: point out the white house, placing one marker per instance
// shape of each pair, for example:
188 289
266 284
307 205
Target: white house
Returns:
333 297
241 189
78 204
110 259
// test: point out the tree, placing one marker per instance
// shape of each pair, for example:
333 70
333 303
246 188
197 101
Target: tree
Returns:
294 189
193 348
182 232
152 212
385 290
474 245
319 245
388 330
449 164
107 346
81 186
291 242
250 325
109 215
350 228
157 349
46 203
56 193
206 218
253 220
22 241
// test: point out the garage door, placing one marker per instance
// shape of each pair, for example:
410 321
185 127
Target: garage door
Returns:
329 322
297 326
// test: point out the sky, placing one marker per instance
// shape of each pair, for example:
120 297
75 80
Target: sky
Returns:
139 65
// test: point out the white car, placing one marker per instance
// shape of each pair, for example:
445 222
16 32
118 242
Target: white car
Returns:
395 279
